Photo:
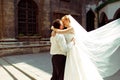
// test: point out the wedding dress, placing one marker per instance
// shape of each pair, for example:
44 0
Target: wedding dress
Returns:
96 54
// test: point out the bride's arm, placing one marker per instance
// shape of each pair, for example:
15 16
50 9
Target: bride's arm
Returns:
68 30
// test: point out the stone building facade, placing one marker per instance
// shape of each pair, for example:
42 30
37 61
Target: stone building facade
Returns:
25 24
25 12
100 12
60 8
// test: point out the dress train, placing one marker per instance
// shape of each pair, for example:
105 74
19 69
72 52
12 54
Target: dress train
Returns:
96 54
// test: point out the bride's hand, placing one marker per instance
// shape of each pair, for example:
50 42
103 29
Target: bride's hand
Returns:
54 29
68 30
73 39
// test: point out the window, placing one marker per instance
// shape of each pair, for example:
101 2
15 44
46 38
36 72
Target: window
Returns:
27 18
117 14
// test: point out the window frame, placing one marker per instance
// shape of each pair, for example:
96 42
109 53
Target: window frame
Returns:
27 20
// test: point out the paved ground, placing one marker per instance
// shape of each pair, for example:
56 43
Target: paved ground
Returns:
26 67
30 67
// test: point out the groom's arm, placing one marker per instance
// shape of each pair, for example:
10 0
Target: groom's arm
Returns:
63 44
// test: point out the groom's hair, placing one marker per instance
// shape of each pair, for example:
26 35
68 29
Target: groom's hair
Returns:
56 23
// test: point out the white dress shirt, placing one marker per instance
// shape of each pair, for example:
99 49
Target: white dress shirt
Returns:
59 45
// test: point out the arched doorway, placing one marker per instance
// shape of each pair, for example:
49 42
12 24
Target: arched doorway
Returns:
103 19
27 18
90 20
117 14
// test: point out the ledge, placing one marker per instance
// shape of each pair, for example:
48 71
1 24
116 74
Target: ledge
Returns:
29 38
12 45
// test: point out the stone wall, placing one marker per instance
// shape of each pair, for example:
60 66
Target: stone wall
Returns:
1 8
8 24
44 18
23 50
45 7
15 48
9 45
60 8
8 29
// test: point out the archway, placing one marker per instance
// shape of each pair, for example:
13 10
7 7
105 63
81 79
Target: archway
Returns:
103 19
117 14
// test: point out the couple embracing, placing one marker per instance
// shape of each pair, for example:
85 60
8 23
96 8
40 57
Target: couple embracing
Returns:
75 54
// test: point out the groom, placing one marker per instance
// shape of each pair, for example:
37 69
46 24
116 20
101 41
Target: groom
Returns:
58 51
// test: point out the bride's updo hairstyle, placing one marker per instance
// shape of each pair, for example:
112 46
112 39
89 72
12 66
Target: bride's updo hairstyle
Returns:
66 21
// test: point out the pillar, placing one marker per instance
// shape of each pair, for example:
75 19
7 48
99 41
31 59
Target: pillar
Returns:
8 28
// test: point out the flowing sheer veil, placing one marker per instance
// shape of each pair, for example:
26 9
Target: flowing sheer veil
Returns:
102 45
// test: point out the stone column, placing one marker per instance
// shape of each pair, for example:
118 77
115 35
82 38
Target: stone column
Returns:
47 18
44 18
83 13
96 20
8 28
1 17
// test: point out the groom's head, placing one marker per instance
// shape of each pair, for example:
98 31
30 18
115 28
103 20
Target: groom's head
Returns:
58 24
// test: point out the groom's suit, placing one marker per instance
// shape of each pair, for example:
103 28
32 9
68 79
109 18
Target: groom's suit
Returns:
58 50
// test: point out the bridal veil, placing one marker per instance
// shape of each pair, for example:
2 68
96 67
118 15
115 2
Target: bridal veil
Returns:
102 45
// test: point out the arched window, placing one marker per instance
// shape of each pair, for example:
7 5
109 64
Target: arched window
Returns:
90 20
117 14
27 18
103 19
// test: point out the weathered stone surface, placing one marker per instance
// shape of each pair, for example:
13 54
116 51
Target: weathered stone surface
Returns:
1 14
8 29
9 24
22 48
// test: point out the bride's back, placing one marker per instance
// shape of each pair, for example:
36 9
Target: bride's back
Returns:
69 37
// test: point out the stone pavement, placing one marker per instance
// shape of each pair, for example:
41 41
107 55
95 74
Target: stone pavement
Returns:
26 67
31 67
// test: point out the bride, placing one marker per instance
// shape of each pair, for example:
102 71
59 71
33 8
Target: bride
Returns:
95 54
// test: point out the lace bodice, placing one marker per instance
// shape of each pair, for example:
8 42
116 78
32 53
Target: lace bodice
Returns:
69 37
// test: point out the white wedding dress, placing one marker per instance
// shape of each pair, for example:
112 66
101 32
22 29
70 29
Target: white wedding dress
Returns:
96 54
